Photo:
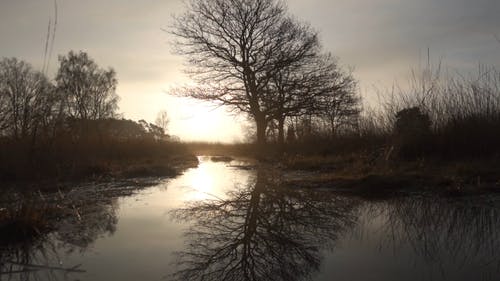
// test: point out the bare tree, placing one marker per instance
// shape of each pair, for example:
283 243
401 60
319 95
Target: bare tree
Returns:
89 91
306 87
340 107
235 48
24 98
162 120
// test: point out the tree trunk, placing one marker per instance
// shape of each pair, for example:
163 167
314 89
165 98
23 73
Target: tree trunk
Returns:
281 131
260 121
332 128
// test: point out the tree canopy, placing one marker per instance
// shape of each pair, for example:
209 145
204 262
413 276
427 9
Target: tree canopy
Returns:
88 90
236 47
25 95
253 57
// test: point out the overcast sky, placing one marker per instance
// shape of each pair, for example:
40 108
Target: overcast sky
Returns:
382 39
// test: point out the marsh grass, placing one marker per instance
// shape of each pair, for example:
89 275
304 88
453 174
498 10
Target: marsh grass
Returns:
464 112
66 159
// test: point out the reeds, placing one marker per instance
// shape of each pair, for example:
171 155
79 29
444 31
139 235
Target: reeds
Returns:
464 112
69 159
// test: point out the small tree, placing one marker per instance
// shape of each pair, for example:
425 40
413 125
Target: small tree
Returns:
162 121
88 90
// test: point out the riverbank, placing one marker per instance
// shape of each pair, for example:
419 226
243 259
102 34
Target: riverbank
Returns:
374 173
92 162
143 172
371 177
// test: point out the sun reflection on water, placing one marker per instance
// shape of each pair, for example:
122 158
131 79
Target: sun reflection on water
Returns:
208 181
202 182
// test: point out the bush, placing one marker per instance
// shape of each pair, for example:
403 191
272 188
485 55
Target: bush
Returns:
412 131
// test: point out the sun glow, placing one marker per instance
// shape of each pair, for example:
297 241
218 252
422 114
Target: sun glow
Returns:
202 182
204 122
210 180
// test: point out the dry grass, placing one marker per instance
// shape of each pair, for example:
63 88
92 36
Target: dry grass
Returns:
355 174
72 160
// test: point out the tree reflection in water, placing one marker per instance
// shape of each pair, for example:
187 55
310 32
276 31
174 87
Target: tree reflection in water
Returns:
449 233
34 232
263 231
266 231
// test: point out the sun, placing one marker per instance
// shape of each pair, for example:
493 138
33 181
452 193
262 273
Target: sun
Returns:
195 121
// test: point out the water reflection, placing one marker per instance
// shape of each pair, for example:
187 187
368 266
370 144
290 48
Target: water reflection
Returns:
36 230
261 231
267 231
454 235
420 237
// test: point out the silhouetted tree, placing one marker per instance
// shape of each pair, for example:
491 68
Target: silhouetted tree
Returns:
305 126
316 85
88 91
236 47
340 107
162 120
25 98
151 130
115 129
124 129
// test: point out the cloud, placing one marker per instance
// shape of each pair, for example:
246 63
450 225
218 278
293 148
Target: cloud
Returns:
389 35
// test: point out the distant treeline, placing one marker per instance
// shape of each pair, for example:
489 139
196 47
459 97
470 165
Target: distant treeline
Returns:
34 107
68 127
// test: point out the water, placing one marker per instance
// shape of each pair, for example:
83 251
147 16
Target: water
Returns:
220 221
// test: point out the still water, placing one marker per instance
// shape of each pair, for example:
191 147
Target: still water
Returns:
232 221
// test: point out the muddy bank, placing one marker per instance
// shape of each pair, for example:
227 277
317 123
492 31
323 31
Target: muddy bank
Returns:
440 180
140 172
